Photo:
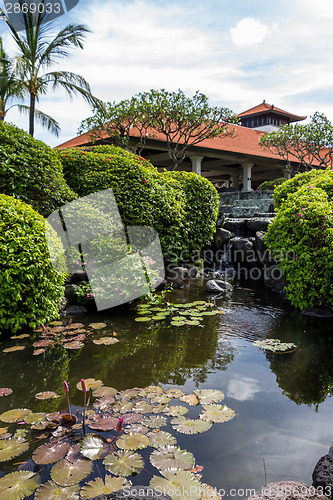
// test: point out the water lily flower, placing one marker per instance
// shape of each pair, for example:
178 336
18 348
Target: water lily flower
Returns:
66 389
119 426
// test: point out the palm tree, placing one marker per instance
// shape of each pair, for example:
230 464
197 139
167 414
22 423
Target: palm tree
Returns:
13 88
38 52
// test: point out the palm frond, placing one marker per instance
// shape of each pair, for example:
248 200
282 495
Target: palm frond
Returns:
45 120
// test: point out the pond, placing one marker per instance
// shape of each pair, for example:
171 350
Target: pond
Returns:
283 421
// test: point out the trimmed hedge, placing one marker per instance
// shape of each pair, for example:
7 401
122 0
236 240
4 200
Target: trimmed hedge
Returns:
31 171
181 206
30 288
301 238
271 185
316 178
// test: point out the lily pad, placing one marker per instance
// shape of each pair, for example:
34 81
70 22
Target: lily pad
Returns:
154 422
275 345
190 399
123 406
104 391
151 390
143 407
217 413
46 395
124 463
66 473
174 393
43 343
38 351
97 487
209 493
14 415
10 448
5 391
106 341
22 336
97 326
133 441
73 345
104 403
175 411
92 446
209 396
190 426
136 428
143 319
172 456
104 423
18 485
50 452
14 348
178 484
161 438
34 418
91 383
52 491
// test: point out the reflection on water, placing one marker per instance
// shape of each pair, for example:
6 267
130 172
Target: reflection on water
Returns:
283 405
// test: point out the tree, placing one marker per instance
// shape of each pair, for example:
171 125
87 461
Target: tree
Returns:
37 53
182 121
310 144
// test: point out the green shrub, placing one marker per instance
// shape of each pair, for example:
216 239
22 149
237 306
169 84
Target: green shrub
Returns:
316 178
31 171
271 185
301 238
182 207
30 288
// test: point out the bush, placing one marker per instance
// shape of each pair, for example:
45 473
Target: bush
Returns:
30 288
182 207
301 238
31 171
271 185
316 178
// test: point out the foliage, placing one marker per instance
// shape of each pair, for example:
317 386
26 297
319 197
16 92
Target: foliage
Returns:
31 171
316 178
182 121
10 87
307 144
182 207
37 52
301 238
30 287
271 185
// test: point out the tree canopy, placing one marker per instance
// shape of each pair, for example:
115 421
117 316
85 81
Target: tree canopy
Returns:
309 144
182 121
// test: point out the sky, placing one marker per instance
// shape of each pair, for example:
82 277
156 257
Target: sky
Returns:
237 52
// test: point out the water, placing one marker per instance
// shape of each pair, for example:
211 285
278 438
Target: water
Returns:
282 401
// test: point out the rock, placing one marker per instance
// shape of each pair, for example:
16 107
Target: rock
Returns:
178 277
288 490
135 493
322 475
64 303
192 270
220 222
243 250
260 243
237 226
254 225
218 286
78 276
70 294
162 285
221 238
273 276
75 310
317 312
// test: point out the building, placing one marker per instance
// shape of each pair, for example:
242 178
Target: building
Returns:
236 161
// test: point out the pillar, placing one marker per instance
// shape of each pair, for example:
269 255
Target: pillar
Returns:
247 176
235 179
196 164
287 174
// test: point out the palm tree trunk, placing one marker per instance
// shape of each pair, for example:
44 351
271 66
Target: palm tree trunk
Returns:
32 114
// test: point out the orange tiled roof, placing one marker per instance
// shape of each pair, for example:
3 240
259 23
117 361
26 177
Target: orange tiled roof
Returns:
244 142
264 107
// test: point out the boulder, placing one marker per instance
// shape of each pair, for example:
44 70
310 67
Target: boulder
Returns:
322 475
70 294
237 226
75 310
317 312
254 225
135 493
221 238
78 276
243 250
273 276
178 277
218 286
260 243
288 490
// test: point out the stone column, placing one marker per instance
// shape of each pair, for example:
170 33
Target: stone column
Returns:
196 164
247 176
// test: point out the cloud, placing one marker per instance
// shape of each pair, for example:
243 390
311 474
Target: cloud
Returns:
249 31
